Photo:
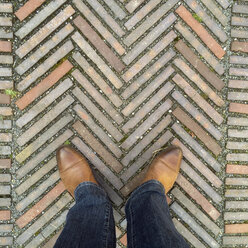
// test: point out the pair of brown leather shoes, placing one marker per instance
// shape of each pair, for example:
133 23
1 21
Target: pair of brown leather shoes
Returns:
74 168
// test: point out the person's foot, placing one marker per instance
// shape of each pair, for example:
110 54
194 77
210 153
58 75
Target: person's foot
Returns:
165 167
73 168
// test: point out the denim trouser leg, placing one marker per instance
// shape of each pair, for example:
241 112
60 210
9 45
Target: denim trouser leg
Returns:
90 222
149 224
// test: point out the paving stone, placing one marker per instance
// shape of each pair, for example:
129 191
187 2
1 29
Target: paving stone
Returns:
236 204
201 31
235 240
187 234
192 223
211 24
5 72
5 124
239 21
97 96
203 51
5 34
4 99
5 21
5 111
97 79
209 110
5 163
5 85
239 84
5 241
41 205
151 54
95 39
159 80
5 202
236 228
199 65
6 228
237 181
28 8
239 33
4 214
237 145
159 13
5 150
43 122
45 66
237 133
40 17
133 4
99 26
97 130
106 70
97 146
6 59
198 131
236 193
148 73
238 108
147 40
242 9
236 169
5 46
6 8
240 47
238 71
113 131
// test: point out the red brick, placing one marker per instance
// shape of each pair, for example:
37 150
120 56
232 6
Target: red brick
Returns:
5 215
198 131
28 8
236 228
95 39
4 99
5 46
239 46
238 108
5 163
236 169
201 31
41 205
44 85
198 197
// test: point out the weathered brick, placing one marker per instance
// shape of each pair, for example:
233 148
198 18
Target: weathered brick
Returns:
238 108
28 8
236 204
43 122
238 72
112 178
239 84
5 111
159 80
5 178
133 121
208 109
5 46
237 145
236 228
237 157
198 197
238 60
200 31
115 8
44 103
31 164
237 181
34 146
224 3
145 157
191 207
59 205
6 8
237 133
39 18
198 131
202 50
44 170
187 234
106 17
160 63
5 215
108 36
6 241
4 85
6 59
146 140
106 70
4 228
193 76
239 21
5 150
236 33
97 146
147 40
241 193
5 21
236 169
5 163
197 115
193 224
141 13
98 80
4 99
46 65
149 122
41 205
239 47
199 65
147 58
235 240
5 34
141 29
242 9
124 240
201 167
5 72
97 130
5 202
95 39
133 4
5 124
97 96
52 241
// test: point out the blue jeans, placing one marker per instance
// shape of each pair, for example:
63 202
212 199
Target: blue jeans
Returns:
90 222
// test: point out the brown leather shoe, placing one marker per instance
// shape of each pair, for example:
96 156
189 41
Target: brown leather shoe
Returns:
73 168
165 167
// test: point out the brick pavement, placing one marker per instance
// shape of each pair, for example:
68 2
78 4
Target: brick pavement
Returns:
118 80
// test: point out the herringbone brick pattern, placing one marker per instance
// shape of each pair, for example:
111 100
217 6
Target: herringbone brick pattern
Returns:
119 80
